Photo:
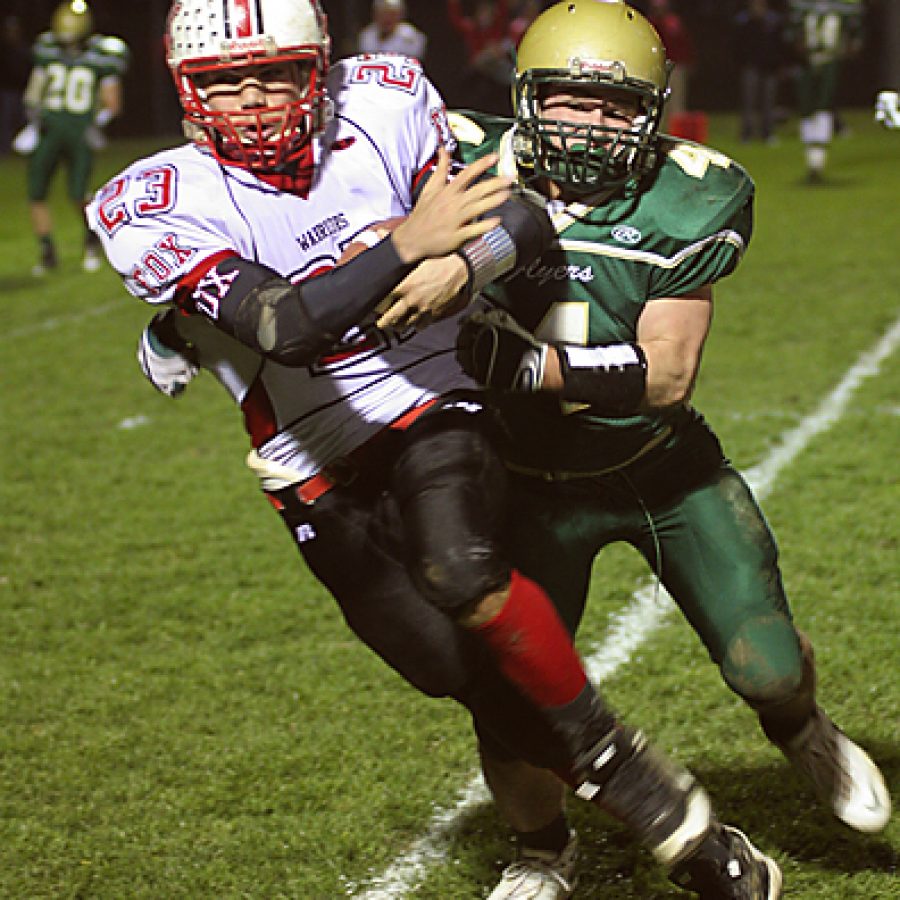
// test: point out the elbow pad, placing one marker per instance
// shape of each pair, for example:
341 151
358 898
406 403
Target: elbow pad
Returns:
293 324
257 307
612 378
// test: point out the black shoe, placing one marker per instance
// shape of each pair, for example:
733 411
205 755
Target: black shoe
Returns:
815 177
726 866
93 250
48 259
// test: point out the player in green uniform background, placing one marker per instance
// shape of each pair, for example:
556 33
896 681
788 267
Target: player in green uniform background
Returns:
73 92
592 353
824 34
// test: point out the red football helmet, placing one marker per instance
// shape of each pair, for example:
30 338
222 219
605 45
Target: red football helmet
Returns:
210 42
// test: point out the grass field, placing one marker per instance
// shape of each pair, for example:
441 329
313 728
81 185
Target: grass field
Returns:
183 713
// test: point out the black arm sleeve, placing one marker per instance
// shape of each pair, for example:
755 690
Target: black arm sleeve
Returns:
293 324
524 216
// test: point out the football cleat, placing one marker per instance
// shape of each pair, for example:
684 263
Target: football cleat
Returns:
842 773
538 875
91 261
726 866
48 259
93 249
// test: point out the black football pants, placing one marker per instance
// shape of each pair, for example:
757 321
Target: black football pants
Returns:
408 542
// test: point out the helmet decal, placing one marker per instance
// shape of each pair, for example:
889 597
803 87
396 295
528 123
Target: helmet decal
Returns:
244 19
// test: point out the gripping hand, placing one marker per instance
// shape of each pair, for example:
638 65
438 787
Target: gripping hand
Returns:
498 353
166 359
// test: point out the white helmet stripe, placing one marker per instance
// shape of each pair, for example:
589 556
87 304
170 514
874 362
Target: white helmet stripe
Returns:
243 18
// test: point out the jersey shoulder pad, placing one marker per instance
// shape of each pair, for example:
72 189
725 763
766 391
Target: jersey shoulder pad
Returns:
167 192
389 102
477 133
45 49
376 81
112 50
197 174
159 207
698 190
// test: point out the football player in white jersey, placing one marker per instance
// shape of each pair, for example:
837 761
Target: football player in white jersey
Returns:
366 439
237 234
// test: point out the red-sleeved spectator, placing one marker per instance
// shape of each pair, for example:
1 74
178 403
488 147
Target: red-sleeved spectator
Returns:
489 64
679 49
527 13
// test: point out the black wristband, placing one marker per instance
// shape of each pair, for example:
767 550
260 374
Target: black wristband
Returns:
612 378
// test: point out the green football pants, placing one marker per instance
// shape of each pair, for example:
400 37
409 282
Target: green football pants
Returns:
60 142
701 531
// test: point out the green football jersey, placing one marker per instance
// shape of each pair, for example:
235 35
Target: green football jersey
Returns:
824 29
687 227
66 91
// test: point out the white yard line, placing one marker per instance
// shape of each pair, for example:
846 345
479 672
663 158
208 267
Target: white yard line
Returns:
628 630
60 321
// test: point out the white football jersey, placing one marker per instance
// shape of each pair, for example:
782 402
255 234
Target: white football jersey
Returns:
167 216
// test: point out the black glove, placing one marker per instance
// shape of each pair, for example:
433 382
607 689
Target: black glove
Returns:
498 353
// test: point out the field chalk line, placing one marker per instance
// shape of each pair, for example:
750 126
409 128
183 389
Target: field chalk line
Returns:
629 629
55 322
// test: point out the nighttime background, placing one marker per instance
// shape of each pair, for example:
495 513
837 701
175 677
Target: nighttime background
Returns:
151 107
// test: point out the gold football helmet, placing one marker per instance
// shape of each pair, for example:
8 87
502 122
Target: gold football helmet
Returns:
71 22
578 42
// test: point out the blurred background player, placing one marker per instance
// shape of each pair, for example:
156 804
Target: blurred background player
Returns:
823 33
525 13
73 93
593 356
389 32
887 109
758 36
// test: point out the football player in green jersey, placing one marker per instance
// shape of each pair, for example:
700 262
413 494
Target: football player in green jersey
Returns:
591 355
73 92
825 33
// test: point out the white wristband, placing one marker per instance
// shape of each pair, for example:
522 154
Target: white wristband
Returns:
489 257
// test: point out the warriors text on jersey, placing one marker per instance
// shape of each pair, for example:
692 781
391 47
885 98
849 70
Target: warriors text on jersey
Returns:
64 84
685 229
166 220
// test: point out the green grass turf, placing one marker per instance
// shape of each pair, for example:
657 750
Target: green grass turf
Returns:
184 714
